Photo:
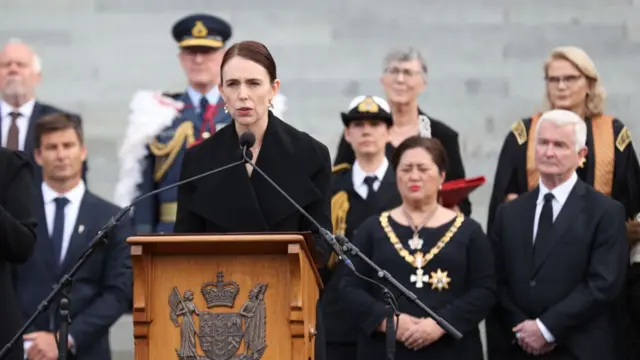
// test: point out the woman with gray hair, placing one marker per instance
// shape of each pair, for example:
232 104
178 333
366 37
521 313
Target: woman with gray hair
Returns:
403 79
610 165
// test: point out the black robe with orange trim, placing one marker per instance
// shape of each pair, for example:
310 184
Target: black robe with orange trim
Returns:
611 166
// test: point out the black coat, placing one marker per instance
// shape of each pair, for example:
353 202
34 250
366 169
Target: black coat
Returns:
573 279
233 201
17 237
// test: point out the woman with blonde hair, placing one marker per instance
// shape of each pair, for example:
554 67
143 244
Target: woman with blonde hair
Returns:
610 166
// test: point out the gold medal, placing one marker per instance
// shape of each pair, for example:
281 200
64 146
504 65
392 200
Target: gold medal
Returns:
439 279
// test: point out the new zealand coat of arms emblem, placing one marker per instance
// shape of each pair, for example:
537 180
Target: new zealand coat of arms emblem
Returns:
220 335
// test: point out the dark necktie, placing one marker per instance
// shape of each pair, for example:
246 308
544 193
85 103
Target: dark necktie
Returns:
13 138
369 181
545 222
57 234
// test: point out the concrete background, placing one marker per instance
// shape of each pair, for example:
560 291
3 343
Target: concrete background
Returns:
484 58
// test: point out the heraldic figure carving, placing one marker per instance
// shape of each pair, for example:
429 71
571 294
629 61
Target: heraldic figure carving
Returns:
220 334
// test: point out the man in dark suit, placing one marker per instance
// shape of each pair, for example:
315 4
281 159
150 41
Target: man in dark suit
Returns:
561 254
17 237
20 74
71 216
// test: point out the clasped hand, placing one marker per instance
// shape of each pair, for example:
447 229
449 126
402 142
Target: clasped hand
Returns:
530 338
417 333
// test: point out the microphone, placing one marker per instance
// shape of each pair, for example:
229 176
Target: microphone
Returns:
247 140
340 242
100 239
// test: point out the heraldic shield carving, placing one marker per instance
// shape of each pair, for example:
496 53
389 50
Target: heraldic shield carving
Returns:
220 334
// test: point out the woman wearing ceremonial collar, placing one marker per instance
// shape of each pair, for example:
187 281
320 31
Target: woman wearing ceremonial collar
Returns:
443 257
404 78
240 199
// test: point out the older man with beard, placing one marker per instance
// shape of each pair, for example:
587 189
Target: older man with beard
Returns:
20 74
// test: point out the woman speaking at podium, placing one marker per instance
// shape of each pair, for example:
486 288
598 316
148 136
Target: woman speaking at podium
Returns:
240 199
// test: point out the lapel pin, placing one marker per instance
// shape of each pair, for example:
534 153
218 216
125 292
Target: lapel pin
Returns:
80 229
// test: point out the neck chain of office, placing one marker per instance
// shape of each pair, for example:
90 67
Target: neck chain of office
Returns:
439 279
416 242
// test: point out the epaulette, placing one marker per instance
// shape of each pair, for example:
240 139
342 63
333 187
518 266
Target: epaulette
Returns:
624 138
173 95
519 130
341 167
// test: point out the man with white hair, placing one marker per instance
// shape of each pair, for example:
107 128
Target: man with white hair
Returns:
20 75
561 254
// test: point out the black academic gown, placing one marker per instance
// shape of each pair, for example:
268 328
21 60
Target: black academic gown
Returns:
341 327
511 172
232 201
439 130
511 177
466 260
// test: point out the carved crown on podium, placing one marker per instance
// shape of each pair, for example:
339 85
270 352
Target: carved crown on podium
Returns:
220 293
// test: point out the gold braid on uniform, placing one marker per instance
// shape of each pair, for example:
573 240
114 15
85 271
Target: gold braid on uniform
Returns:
340 167
166 153
604 153
339 210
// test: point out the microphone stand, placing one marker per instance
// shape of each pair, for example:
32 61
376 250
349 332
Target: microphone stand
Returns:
101 238
339 243
63 334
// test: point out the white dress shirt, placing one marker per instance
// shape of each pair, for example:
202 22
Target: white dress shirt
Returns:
22 122
358 175
212 96
71 212
560 196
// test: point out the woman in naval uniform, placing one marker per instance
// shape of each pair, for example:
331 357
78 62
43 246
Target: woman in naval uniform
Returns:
240 199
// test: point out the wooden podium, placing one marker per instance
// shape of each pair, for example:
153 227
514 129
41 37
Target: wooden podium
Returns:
224 297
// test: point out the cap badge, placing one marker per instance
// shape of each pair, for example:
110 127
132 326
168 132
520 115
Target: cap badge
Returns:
368 106
199 30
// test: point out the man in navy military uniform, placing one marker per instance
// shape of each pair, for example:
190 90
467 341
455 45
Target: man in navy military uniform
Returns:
162 126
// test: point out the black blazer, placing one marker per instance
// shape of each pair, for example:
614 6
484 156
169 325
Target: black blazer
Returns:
102 288
575 276
40 110
17 237
231 201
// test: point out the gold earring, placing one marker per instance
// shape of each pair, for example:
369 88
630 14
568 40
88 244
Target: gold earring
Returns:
226 110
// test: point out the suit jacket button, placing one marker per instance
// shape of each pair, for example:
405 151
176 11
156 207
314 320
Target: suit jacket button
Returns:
532 283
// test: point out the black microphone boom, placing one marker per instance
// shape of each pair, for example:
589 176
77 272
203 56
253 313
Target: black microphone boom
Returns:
340 242
99 239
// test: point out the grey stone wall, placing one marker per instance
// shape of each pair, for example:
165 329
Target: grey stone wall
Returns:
484 58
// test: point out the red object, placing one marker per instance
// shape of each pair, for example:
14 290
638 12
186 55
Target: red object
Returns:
454 191
209 114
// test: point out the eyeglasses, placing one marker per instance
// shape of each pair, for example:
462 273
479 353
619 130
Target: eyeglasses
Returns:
395 71
568 80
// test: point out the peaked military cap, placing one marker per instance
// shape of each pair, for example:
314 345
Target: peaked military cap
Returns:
201 30
367 108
